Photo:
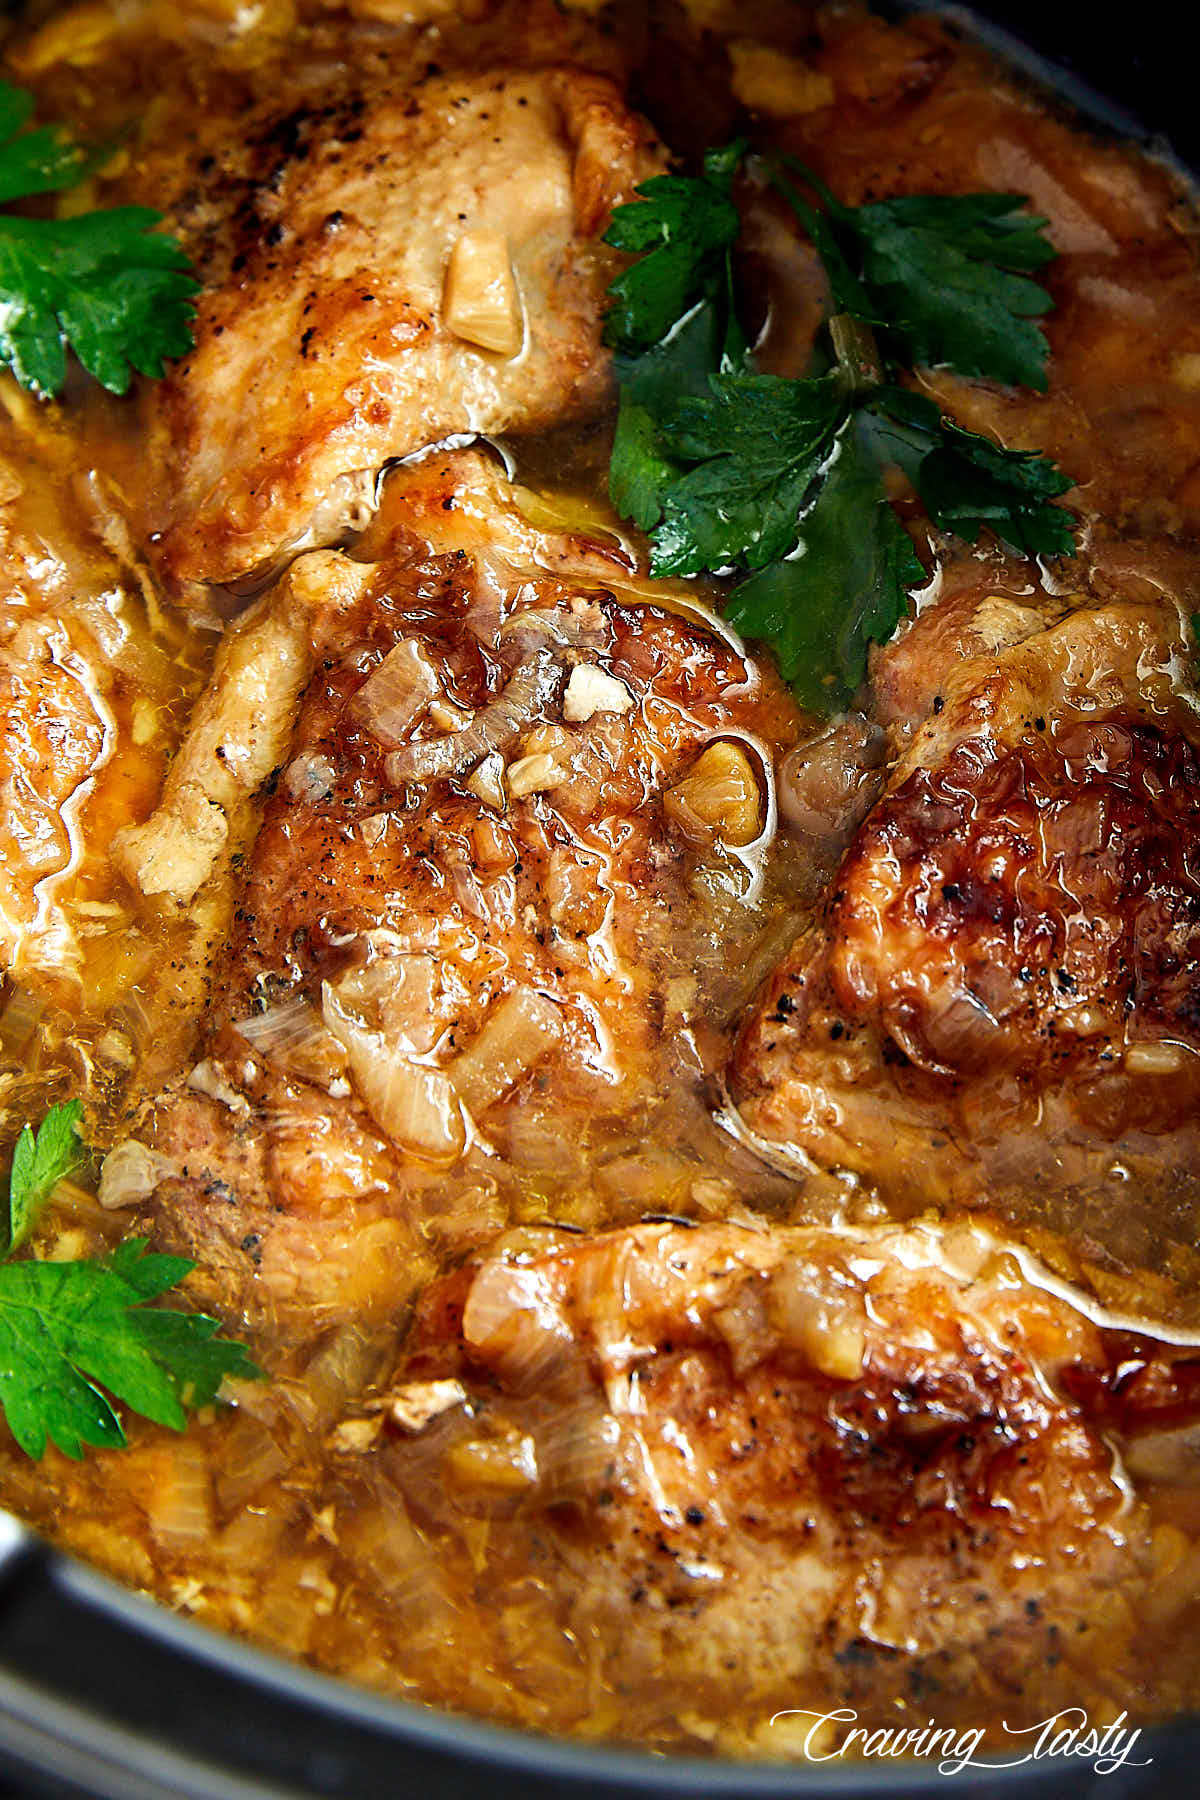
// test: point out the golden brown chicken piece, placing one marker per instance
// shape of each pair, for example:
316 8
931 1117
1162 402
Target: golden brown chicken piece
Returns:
1002 1001
760 1466
455 931
390 256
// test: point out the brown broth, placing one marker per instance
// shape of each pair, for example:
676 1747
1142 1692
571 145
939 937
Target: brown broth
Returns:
267 1519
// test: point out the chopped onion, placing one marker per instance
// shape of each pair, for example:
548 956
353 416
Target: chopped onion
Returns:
343 1366
719 797
517 1034
486 782
829 783
412 1406
131 1173
250 1459
179 1503
591 690
505 1464
511 1317
535 774
577 1447
385 1548
395 693
529 691
284 1027
828 1331
396 993
413 1104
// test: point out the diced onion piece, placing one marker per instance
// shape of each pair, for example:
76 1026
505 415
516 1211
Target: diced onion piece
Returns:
576 1447
414 1105
293 1036
208 1078
591 690
340 1368
480 301
828 784
131 1173
531 688
179 1500
250 1458
448 717
396 693
512 1319
486 782
829 1331
505 1464
718 798
412 1406
1159 1058
397 995
535 774
517 1034
280 1027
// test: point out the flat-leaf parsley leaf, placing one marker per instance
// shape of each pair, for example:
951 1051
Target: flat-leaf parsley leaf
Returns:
843 587
40 1161
733 471
106 284
74 1333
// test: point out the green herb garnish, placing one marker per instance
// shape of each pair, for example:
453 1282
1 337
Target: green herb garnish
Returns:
69 1330
730 470
104 284
40 1161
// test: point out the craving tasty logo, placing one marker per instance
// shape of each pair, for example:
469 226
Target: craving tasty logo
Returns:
1066 1733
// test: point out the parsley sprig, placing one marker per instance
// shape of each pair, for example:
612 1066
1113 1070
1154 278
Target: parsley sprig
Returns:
74 1333
105 284
731 470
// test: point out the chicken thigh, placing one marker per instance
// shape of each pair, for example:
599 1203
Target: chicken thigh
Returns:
389 258
457 915
760 1465
1001 1001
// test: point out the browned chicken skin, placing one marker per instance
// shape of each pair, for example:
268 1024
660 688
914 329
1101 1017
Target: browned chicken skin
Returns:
773 1460
390 257
1001 1002
479 915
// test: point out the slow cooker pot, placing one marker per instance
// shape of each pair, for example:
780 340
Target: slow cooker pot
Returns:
104 1696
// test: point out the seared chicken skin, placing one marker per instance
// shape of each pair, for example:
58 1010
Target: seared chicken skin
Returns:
758 1465
457 913
1002 1000
389 257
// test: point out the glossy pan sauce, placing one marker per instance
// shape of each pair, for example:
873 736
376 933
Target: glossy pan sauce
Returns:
713 1193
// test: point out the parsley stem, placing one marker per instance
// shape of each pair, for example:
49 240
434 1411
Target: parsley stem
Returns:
860 365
